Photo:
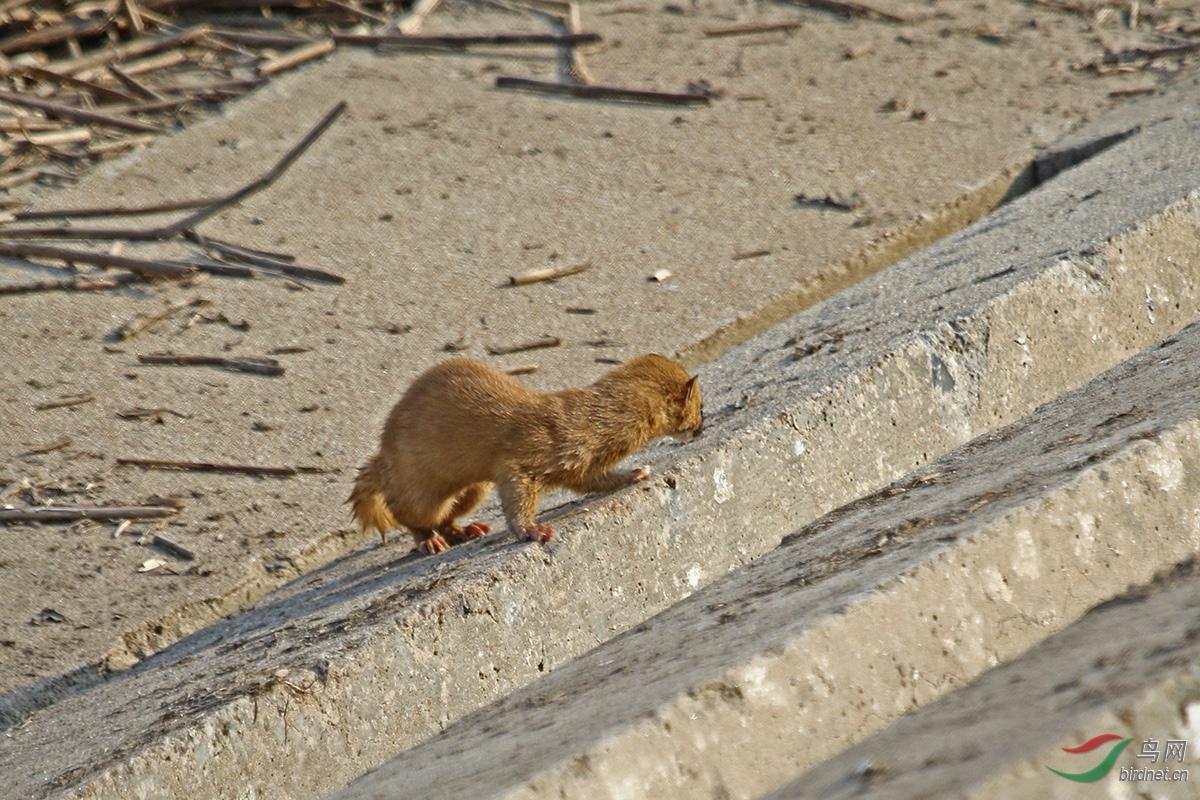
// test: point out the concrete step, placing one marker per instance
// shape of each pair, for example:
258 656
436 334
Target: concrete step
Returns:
427 195
866 614
1128 667
339 671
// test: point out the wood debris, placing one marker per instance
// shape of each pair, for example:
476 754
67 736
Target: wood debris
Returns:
256 365
751 254
73 513
548 274
205 466
174 548
220 258
461 41
834 200
143 323
850 8
750 28
66 402
536 344
614 93
125 67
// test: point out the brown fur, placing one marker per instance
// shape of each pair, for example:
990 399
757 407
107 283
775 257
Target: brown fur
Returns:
463 427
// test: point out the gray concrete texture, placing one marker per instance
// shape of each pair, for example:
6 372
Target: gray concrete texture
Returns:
429 194
866 614
1128 667
339 671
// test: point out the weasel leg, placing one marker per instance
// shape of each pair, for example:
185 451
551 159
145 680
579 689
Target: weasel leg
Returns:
463 503
610 481
469 498
518 498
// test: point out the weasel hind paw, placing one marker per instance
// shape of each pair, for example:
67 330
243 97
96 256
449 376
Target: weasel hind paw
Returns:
475 530
536 533
433 545
639 474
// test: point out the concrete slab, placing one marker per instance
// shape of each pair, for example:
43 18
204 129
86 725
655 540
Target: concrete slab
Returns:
337 672
1128 667
432 191
868 613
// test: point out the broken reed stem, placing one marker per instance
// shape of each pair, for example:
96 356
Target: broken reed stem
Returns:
536 344
174 548
1149 53
850 9
262 183
54 34
65 403
296 57
112 211
187 223
100 92
71 285
78 114
602 92
240 248
572 20
205 466
144 267
538 275
465 40
72 513
133 49
258 366
263 260
764 27
133 84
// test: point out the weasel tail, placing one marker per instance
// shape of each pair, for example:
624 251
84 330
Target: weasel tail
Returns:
367 503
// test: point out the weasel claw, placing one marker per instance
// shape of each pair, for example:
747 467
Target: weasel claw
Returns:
433 545
475 530
536 533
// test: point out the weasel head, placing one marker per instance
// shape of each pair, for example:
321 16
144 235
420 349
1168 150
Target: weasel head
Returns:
666 388
685 409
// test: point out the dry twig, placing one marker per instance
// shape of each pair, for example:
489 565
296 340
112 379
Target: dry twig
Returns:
458 41
601 92
850 8
760 27
205 466
72 513
549 274
536 344
258 366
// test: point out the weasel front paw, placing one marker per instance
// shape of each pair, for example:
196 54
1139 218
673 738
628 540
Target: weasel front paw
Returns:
639 474
536 533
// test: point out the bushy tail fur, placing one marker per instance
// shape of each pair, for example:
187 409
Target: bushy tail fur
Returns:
366 502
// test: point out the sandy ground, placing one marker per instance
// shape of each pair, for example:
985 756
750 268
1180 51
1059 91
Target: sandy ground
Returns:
427 195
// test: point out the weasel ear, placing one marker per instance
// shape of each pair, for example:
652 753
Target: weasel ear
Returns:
690 390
